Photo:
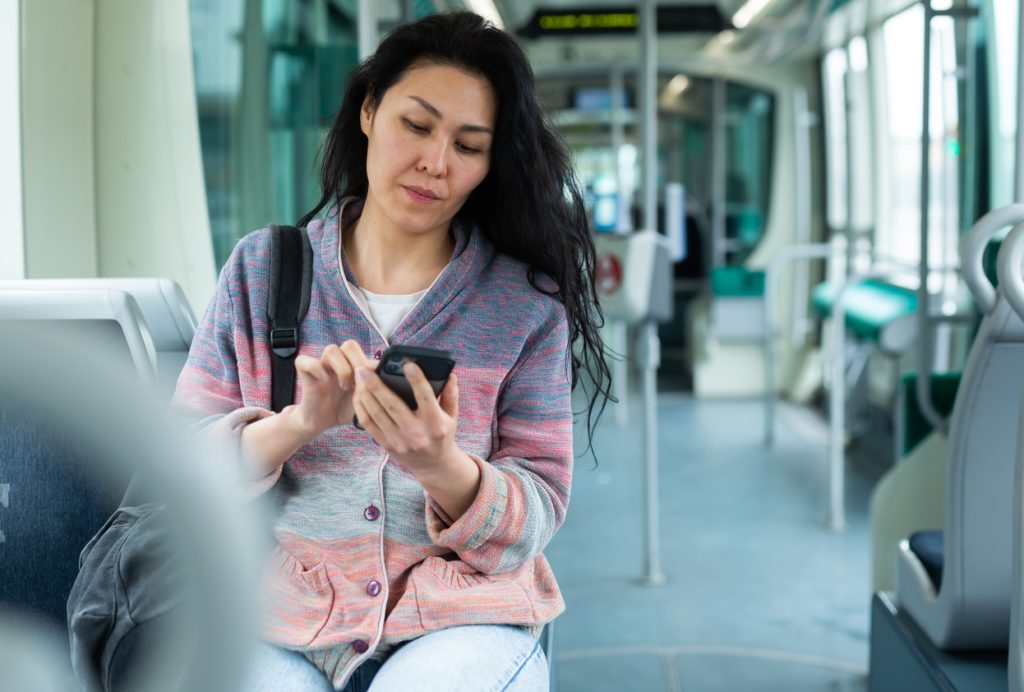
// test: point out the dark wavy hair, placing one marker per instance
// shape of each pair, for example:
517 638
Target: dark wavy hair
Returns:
529 206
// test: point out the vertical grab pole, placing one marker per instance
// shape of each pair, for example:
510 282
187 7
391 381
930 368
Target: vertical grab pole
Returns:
837 414
802 202
925 353
624 225
717 253
816 251
650 349
837 401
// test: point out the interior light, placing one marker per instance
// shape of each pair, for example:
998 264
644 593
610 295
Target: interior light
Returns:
745 14
487 10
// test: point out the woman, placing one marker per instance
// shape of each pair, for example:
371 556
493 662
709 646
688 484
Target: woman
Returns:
409 552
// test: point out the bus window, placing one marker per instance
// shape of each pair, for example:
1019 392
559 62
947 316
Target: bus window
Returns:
268 79
834 89
858 118
750 127
898 236
1003 99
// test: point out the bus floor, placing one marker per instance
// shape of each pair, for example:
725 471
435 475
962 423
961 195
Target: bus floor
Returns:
759 596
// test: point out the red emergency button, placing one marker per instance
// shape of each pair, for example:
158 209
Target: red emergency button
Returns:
608 274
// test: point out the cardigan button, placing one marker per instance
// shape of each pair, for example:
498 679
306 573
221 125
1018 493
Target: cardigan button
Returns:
371 513
360 646
373 588
377 354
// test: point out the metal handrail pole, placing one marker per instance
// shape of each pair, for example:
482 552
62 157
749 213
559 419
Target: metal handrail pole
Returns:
922 387
794 252
653 576
837 401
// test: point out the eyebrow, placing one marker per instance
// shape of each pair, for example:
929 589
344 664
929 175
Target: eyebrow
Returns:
437 114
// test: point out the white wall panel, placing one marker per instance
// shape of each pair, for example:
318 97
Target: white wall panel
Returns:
57 138
12 247
151 201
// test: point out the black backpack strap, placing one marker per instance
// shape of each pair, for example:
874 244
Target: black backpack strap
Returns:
291 275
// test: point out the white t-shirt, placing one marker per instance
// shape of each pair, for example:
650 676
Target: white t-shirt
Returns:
388 311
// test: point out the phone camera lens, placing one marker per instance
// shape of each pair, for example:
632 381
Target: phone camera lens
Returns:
393 367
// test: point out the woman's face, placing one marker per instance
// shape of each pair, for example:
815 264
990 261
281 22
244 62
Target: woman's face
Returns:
429 145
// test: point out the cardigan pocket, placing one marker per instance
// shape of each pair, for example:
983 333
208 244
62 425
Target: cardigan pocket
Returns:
296 600
451 592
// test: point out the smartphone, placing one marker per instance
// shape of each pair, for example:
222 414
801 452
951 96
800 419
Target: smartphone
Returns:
436 365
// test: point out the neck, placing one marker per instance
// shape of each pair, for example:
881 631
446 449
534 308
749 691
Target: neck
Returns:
389 261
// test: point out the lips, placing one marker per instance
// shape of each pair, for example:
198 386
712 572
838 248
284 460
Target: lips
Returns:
421 194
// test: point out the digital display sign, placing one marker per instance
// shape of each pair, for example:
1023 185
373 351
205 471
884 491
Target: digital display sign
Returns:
623 20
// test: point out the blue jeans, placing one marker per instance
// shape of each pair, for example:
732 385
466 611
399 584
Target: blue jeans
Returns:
472 658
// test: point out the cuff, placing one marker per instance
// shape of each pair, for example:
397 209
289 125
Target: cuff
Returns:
224 434
480 521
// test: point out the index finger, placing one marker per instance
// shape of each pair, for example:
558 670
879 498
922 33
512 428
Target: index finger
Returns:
355 356
421 388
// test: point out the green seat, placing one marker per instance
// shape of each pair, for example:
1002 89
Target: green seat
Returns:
944 386
737 282
872 309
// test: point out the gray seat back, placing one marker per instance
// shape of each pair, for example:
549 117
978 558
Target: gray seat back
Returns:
169 317
110 318
1011 280
971 607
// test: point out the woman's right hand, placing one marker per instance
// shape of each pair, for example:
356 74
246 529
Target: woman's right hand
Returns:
328 383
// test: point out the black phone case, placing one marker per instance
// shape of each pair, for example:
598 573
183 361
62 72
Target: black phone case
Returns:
436 365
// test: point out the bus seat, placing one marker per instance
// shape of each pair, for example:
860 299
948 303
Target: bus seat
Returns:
1012 280
108 319
1015 655
908 498
957 586
73 430
50 506
168 315
875 311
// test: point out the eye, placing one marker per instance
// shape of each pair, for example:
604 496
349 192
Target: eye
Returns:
419 129
466 149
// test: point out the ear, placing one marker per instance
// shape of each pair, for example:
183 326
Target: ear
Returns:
366 111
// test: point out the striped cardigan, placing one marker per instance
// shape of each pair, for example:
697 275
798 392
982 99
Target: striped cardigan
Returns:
364 557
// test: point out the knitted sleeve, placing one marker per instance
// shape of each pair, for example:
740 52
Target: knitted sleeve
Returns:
524 486
208 390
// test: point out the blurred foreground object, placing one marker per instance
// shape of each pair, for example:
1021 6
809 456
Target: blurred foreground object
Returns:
74 428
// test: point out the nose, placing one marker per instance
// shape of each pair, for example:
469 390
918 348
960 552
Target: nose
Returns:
434 158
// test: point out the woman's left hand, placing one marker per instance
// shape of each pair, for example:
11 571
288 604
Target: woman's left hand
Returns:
422 440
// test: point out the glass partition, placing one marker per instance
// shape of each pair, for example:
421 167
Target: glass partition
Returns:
269 78
750 129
